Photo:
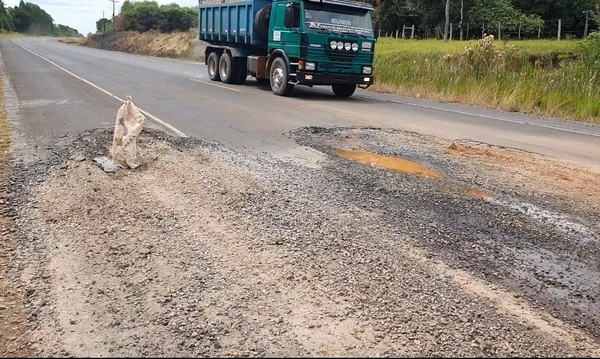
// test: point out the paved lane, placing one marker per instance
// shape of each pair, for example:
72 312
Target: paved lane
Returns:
245 117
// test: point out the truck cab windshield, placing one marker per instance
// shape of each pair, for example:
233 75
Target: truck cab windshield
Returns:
336 19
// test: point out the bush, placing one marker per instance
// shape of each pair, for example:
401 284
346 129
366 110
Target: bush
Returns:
590 49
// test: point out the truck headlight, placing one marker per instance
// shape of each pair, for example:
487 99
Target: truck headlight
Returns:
355 47
347 46
340 45
366 46
367 70
333 44
310 66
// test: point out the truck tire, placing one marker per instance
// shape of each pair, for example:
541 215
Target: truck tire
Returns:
227 71
261 22
343 90
279 76
241 63
212 65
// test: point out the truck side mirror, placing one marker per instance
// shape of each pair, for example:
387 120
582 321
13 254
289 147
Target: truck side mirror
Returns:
292 16
289 16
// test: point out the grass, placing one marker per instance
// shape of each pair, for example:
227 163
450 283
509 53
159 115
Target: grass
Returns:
388 45
545 77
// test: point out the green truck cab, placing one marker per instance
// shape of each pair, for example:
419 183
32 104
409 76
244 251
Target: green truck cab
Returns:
290 42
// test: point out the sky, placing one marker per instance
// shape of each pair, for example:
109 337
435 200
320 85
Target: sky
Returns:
83 14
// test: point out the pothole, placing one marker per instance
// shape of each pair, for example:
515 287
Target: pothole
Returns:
398 164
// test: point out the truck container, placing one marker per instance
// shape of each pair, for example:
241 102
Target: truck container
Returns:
289 42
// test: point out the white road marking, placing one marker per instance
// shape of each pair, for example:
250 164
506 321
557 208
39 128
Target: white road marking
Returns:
147 114
480 115
43 102
221 86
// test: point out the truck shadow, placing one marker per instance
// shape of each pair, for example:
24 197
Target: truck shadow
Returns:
316 93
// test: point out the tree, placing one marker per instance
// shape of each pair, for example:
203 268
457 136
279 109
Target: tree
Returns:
147 15
175 18
494 12
6 19
104 25
30 17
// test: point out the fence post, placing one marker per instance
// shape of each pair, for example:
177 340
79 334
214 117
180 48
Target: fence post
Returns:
559 28
585 29
520 24
396 33
412 33
468 24
499 31
450 31
482 30
539 31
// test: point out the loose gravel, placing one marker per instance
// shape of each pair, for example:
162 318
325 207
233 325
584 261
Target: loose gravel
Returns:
206 252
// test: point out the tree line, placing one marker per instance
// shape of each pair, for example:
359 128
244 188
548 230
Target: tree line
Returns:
29 18
145 16
529 17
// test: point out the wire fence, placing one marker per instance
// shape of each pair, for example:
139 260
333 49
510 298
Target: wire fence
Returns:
552 29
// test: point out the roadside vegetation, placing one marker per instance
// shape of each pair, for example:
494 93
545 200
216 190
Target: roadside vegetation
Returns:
28 18
551 78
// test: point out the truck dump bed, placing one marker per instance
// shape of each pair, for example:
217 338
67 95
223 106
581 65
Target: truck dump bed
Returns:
230 23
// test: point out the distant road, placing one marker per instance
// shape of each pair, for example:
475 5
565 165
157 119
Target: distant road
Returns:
57 90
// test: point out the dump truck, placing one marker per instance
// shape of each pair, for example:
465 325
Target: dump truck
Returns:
289 42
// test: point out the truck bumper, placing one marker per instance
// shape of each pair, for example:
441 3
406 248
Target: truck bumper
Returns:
314 78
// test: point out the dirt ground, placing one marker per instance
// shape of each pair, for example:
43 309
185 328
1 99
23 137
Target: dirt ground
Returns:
182 45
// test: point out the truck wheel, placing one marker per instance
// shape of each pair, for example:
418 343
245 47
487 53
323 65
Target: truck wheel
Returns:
343 90
227 71
279 78
213 66
261 22
241 64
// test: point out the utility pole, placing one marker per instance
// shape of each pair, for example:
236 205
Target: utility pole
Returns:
113 2
104 21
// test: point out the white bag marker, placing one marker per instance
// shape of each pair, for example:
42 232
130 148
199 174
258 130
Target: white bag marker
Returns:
129 124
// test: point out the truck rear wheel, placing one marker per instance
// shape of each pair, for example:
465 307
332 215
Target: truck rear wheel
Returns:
213 66
227 71
343 90
279 78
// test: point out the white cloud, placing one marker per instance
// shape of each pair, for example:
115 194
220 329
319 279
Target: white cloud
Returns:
83 14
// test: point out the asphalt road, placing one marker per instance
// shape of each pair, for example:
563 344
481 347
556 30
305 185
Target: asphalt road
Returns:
57 90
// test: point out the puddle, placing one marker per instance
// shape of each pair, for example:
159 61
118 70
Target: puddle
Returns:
478 194
398 164
560 221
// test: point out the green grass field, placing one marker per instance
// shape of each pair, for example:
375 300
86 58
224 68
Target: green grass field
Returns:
546 77
387 46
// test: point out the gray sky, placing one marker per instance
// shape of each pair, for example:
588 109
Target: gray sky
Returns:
83 14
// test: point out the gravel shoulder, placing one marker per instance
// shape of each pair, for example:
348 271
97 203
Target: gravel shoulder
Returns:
206 252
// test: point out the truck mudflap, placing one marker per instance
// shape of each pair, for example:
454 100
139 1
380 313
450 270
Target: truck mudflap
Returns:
317 78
